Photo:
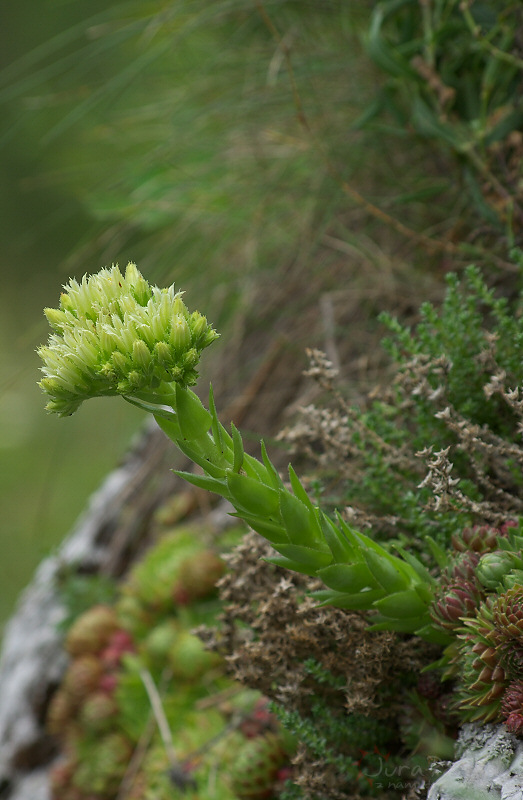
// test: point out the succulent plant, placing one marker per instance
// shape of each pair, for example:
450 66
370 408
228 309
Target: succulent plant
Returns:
482 678
98 712
91 631
102 772
512 707
478 539
189 659
116 335
82 677
60 777
429 685
160 639
154 579
454 603
507 616
197 577
494 566
59 713
256 767
259 721
120 642
461 567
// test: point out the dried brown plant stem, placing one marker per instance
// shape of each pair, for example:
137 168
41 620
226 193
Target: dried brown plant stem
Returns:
140 751
159 715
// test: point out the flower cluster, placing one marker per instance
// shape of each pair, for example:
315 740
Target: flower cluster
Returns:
116 334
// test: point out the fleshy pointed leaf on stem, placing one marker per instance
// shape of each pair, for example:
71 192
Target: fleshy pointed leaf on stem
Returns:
270 530
169 425
424 592
255 469
253 497
348 578
359 540
204 453
365 543
439 555
203 482
151 408
388 574
407 625
359 601
298 489
435 635
193 417
272 473
416 564
309 557
238 451
220 435
300 523
287 563
402 605
341 549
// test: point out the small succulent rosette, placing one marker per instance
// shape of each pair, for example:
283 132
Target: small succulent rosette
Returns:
116 334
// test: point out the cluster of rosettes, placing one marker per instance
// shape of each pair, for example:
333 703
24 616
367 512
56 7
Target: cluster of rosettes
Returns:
489 655
480 601
86 706
116 334
482 559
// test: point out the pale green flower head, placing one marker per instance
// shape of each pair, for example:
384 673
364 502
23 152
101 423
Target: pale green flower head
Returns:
116 334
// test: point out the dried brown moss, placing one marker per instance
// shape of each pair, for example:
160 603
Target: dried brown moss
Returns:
270 627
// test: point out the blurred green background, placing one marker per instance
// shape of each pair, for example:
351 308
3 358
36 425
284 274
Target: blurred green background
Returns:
221 145
165 133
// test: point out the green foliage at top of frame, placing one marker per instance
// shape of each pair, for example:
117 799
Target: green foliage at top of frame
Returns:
453 76
453 67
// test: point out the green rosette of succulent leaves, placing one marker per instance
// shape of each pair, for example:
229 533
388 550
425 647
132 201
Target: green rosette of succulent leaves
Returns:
115 334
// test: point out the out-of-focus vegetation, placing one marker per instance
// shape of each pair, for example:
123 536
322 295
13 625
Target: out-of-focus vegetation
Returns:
454 78
215 144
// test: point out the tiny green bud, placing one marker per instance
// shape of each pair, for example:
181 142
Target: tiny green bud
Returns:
140 289
141 354
190 376
198 325
56 318
164 312
163 354
158 328
180 376
125 335
180 336
208 337
136 379
190 358
119 362
179 306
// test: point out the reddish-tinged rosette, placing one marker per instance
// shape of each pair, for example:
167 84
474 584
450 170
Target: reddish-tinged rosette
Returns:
456 602
478 538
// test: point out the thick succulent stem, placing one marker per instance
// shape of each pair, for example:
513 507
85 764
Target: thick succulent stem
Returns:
115 334
359 572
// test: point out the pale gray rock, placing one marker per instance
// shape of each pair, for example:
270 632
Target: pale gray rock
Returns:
33 660
489 766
